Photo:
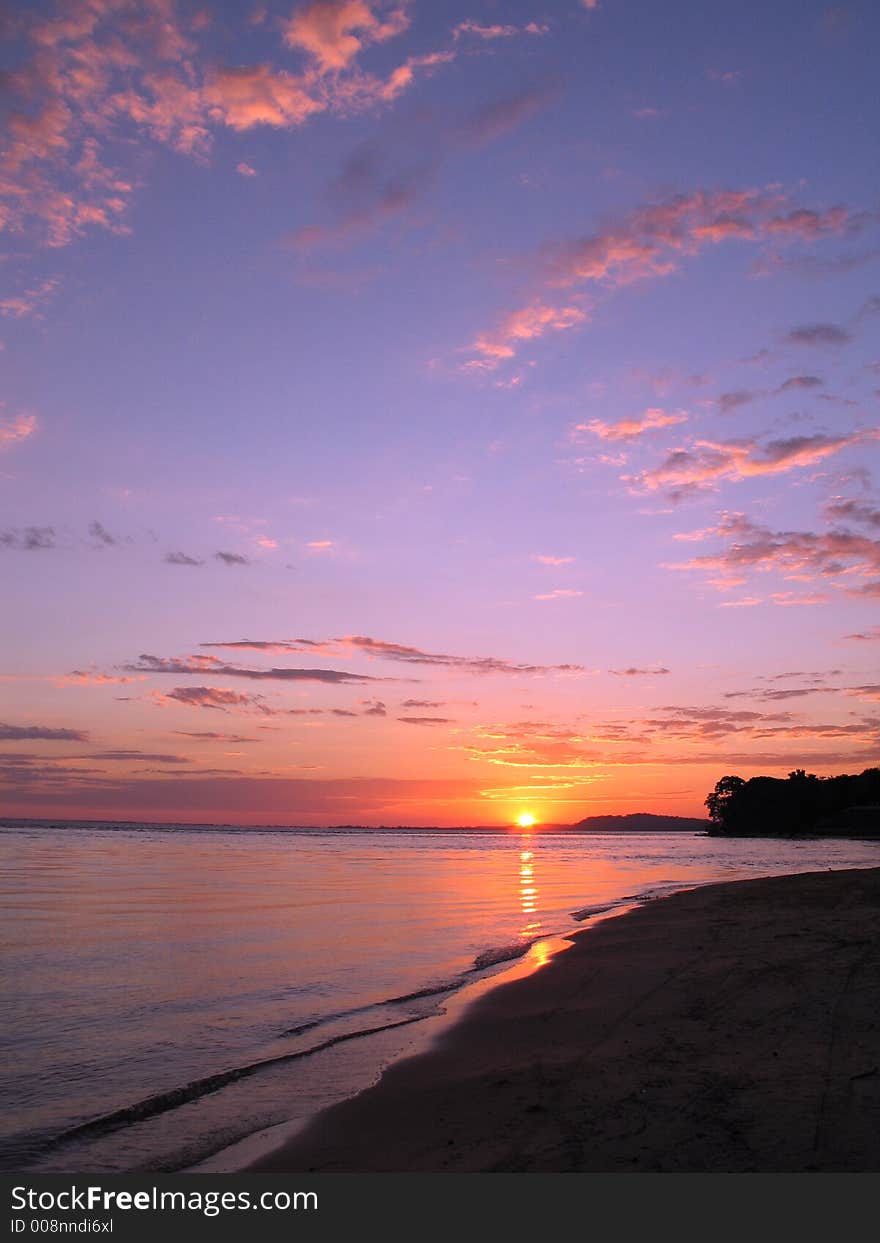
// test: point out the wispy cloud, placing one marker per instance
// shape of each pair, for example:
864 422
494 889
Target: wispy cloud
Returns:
631 429
633 672
649 242
837 555
397 652
559 593
90 84
704 463
43 733
16 429
202 665
29 539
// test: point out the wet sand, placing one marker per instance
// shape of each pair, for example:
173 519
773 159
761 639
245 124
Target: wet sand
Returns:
732 1028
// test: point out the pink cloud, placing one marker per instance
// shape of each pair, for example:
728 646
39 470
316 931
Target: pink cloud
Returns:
835 554
106 66
258 95
704 463
653 239
560 593
555 561
31 302
525 324
16 429
245 170
333 32
629 429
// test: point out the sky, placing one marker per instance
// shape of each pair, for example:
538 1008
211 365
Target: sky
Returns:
428 414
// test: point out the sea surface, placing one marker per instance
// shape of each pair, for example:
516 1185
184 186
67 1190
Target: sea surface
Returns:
171 990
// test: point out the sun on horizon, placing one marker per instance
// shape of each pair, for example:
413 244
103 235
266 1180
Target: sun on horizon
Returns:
526 820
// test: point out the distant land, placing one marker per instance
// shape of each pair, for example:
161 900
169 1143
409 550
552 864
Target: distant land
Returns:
636 822
640 822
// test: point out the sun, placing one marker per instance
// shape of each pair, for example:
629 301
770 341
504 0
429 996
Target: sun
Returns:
526 820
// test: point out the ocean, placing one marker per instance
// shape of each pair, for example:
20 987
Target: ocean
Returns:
178 995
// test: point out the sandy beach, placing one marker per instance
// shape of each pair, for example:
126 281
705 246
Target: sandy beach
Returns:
731 1028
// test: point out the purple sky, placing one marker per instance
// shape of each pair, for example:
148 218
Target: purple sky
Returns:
430 413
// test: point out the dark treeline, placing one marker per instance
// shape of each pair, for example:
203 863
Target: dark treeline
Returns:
803 803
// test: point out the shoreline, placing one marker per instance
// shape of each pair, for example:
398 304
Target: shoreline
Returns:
730 1027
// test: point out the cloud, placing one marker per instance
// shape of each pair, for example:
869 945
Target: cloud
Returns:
99 532
231 558
853 511
128 69
650 242
704 463
31 301
818 335
216 667
731 401
800 382
92 677
833 554
245 170
30 539
866 636
630 429
180 558
212 736
368 195
559 593
375 707
213 697
245 97
550 560
398 652
632 672
14 430
499 117
421 703
333 32
45 733
528 323
425 720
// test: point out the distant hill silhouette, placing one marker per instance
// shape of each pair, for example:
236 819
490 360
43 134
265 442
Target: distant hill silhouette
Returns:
641 822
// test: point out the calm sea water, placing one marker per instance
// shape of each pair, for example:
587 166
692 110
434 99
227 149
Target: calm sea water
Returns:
171 989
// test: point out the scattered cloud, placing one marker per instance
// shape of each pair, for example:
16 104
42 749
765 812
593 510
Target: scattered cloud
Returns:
426 720
546 559
180 558
16 429
704 463
837 555
43 733
29 539
818 335
527 323
213 665
650 242
866 636
559 593
30 302
397 652
231 558
631 429
633 672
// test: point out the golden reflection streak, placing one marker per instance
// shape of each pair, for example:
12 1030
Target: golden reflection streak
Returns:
528 893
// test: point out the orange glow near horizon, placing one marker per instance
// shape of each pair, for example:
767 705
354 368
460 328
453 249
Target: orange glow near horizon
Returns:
526 820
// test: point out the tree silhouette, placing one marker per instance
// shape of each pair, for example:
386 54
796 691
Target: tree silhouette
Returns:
803 803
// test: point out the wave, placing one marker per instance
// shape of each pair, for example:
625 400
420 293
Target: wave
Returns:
162 1102
587 912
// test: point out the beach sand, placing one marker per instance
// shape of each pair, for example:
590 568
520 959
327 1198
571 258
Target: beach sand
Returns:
734 1027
